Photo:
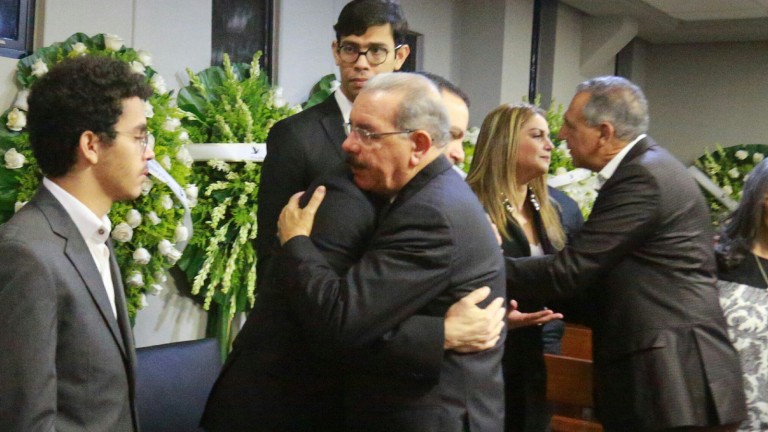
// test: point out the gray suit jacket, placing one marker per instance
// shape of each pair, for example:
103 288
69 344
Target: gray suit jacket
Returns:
645 255
67 363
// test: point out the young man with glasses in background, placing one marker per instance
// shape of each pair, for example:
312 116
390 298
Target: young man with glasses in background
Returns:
68 353
370 39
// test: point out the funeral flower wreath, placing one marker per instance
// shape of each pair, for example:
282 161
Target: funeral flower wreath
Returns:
148 233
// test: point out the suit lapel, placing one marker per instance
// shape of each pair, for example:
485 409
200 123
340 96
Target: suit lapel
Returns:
80 256
123 321
333 124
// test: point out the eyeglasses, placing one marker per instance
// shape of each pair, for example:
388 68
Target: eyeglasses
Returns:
144 141
367 137
375 55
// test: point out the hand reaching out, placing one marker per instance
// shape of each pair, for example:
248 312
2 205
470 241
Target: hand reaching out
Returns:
517 319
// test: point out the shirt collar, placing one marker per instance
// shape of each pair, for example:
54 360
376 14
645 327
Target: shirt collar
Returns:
345 105
91 227
611 166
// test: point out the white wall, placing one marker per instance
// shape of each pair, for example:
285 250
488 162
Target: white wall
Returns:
703 94
568 49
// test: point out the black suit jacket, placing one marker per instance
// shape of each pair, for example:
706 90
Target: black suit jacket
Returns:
432 246
662 354
279 376
300 149
67 362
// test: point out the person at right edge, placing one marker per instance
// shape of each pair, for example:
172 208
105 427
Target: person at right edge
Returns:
742 260
662 357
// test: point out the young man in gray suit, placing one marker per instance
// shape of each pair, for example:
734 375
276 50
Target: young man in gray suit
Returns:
645 257
432 244
68 354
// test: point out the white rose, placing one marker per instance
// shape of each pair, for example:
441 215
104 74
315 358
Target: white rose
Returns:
146 186
21 100
39 68
18 206
741 154
133 218
164 247
143 301
14 159
757 157
155 289
153 219
135 279
184 157
171 124
181 234
79 48
113 42
733 173
168 251
122 232
277 98
728 189
191 190
141 256
173 256
158 83
165 161
166 202
561 171
137 67
149 110
184 136
160 277
17 120
144 57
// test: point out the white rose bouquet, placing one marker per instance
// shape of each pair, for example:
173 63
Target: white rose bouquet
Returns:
136 238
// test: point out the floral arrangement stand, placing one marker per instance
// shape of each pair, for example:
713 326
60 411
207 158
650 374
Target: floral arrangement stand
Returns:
722 174
148 232
232 103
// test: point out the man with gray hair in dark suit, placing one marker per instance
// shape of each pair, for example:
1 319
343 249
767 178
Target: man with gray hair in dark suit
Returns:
431 246
663 360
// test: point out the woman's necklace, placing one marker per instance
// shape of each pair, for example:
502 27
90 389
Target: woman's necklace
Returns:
762 271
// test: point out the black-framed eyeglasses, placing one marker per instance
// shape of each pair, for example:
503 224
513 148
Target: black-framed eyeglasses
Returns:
145 141
376 54
368 137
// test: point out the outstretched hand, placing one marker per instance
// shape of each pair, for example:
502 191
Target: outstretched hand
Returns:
294 220
517 319
469 328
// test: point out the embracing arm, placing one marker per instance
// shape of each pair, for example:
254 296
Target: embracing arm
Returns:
28 340
623 217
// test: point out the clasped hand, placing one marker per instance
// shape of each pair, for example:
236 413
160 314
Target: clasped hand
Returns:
295 220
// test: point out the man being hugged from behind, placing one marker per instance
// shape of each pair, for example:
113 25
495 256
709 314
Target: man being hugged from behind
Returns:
68 354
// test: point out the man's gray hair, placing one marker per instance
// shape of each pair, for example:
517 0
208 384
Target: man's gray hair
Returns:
421 106
618 101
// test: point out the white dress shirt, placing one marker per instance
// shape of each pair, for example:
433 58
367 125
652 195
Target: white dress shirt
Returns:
611 166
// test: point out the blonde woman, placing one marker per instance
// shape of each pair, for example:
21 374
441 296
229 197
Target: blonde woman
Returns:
508 174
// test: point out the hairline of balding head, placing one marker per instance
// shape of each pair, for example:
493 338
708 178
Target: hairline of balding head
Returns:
421 106
618 101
